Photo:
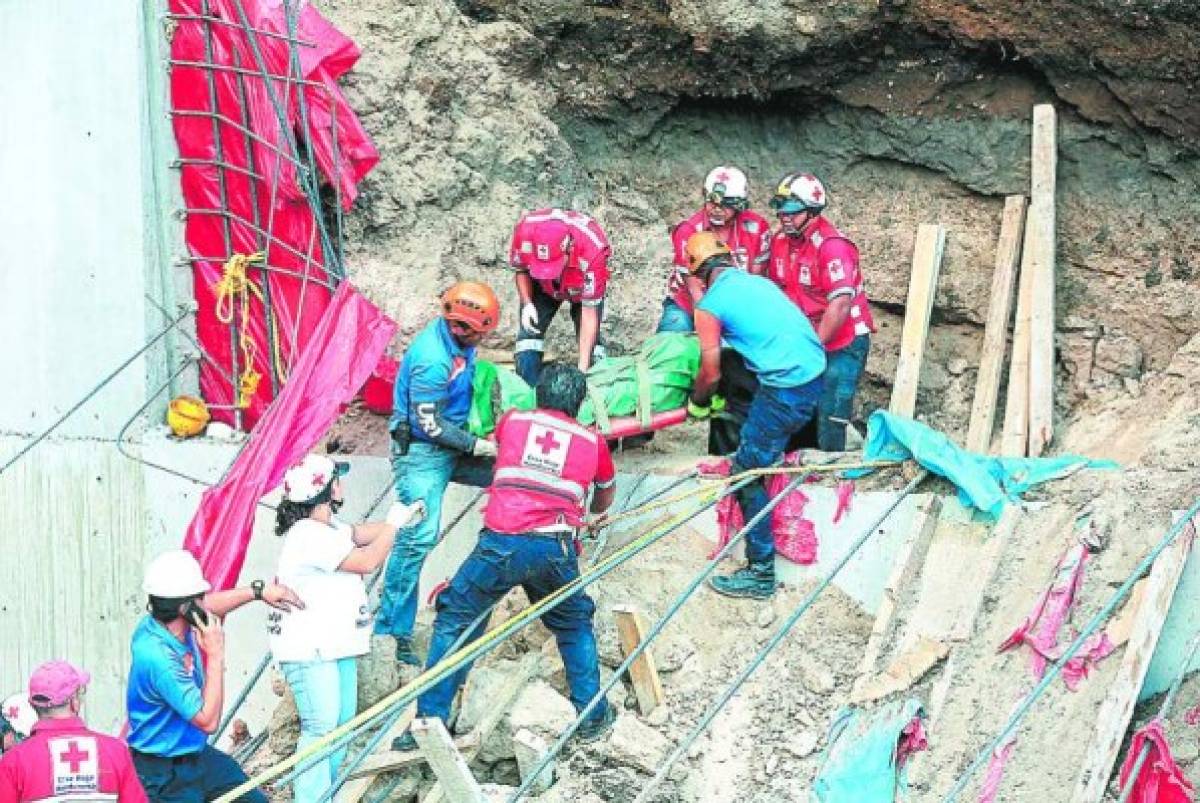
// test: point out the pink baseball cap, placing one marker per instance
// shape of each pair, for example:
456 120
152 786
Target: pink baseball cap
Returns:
544 248
53 683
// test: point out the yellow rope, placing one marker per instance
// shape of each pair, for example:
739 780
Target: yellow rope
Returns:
755 472
233 287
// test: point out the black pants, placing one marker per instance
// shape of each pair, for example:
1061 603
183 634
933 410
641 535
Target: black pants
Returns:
194 778
737 386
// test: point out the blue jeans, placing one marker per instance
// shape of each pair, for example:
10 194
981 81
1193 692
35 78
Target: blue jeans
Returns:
843 370
192 779
540 565
531 345
326 695
423 473
674 318
775 415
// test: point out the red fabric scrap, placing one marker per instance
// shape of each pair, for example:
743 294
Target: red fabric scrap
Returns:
795 535
1192 715
342 350
729 521
715 468
1160 780
995 771
845 495
1097 647
1040 629
913 739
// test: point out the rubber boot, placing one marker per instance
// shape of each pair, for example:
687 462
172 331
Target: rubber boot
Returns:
755 581
596 727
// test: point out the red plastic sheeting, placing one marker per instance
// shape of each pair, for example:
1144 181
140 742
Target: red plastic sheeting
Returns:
1160 780
260 190
1041 628
342 351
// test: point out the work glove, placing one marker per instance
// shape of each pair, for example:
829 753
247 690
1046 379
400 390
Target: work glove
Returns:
402 515
529 319
483 448
698 412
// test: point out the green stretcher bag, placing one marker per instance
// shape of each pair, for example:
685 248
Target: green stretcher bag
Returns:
659 378
495 390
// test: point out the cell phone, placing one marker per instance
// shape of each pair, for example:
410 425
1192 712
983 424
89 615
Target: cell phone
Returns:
196 615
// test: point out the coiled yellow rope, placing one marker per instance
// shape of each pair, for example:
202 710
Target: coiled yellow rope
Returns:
233 287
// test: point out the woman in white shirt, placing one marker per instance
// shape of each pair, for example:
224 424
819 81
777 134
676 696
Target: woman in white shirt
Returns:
323 560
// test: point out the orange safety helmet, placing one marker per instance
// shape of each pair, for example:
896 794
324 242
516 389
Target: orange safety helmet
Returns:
701 247
472 303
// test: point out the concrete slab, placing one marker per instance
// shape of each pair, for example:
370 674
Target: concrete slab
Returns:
864 577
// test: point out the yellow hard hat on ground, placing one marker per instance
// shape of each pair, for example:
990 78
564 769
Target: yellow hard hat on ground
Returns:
187 416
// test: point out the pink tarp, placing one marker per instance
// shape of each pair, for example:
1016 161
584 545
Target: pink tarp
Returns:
232 210
342 351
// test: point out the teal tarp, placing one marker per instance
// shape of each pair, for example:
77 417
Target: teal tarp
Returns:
984 482
859 766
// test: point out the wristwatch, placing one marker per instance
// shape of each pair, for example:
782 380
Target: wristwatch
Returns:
257 587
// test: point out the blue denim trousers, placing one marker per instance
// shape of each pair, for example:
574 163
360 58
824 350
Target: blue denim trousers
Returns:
192 779
531 345
843 370
326 695
539 564
674 318
422 473
775 415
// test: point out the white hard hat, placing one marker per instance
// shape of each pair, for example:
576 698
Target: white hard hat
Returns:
799 192
175 574
725 183
307 480
19 713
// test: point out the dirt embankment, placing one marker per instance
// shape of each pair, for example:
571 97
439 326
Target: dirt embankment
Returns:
912 112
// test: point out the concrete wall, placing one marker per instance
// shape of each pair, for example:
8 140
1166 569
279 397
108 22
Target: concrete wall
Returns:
82 240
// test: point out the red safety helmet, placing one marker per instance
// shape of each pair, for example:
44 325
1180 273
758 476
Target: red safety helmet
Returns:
472 303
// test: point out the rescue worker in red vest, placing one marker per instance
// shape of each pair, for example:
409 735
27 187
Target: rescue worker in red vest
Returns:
817 267
727 214
547 462
781 349
559 255
62 759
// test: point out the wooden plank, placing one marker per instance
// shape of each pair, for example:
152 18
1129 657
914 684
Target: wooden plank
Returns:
1117 709
631 630
1040 240
909 561
904 671
922 284
1015 439
995 333
448 764
504 699
360 781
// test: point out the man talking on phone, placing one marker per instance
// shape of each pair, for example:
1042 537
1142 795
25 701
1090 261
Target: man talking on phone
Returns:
177 681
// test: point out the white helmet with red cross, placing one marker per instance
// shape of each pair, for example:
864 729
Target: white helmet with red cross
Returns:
799 192
727 186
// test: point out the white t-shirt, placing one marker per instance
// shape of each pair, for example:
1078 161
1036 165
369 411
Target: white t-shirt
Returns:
336 620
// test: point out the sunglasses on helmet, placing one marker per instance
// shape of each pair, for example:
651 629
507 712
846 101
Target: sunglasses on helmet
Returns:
720 199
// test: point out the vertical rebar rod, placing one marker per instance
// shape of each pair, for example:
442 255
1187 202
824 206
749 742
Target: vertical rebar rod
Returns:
330 254
305 180
219 152
260 239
